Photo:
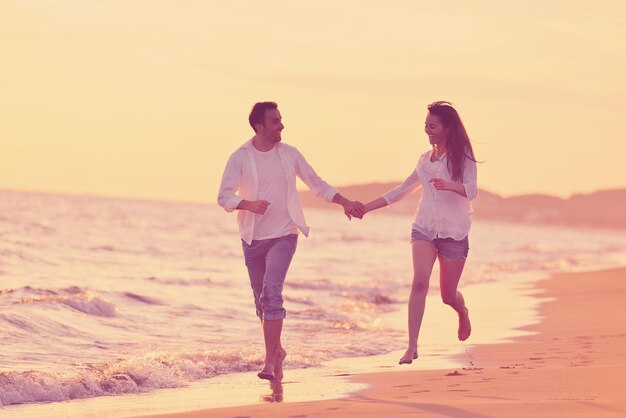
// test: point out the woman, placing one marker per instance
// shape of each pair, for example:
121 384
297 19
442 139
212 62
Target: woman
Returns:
447 174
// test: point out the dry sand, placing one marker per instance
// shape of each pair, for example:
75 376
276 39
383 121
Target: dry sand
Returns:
573 366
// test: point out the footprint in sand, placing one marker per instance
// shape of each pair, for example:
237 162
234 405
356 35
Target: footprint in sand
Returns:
455 373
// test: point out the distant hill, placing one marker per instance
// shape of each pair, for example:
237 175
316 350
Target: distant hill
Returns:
604 209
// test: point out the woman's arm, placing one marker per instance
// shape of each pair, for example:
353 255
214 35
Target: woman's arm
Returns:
375 204
440 184
408 186
467 188
470 181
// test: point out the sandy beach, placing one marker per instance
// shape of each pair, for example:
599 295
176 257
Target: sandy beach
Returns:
573 364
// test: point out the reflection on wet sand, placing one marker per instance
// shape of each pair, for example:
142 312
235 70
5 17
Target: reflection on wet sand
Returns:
277 392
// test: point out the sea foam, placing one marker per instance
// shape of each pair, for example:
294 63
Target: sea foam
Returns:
151 371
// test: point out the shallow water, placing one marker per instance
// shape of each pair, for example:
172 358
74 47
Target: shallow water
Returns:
109 296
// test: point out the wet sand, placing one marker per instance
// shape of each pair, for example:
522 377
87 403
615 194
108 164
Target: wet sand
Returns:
574 365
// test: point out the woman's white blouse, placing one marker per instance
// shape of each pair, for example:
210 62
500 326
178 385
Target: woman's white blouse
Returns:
440 213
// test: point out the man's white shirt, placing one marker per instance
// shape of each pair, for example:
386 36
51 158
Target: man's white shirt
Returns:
241 182
275 222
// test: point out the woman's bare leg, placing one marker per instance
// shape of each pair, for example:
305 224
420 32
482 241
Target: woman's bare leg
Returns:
451 270
424 256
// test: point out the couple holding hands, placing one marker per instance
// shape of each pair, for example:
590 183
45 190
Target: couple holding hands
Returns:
259 182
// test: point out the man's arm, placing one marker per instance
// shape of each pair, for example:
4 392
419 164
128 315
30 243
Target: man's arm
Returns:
314 182
350 207
323 190
229 186
257 206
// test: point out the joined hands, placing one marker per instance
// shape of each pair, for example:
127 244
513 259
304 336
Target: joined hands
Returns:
355 209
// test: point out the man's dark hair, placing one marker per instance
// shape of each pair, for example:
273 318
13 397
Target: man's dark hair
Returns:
257 114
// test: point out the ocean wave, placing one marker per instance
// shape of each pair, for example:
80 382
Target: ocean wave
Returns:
181 282
379 299
106 248
46 227
143 299
23 256
351 237
357 306
73 297
155 370
315 284
369 290
114 249
304 300
560 263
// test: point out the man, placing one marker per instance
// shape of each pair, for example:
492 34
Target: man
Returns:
260 181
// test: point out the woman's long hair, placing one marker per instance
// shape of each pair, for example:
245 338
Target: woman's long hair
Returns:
458 144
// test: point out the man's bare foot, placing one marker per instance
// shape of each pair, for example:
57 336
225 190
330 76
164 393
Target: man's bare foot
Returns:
268 371
465 327
278 363
266 375
409 356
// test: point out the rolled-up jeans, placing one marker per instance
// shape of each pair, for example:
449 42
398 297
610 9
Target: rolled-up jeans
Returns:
267 261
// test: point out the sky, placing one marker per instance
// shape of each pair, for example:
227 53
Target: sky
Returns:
148 98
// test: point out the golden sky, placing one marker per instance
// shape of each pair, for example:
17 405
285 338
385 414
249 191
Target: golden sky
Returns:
148 98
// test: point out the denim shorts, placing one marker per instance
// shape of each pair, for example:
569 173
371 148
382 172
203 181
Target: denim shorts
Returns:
446 247
267 261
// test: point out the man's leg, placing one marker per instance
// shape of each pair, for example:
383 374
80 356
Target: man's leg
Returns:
277 263
254 255
271 332
279 358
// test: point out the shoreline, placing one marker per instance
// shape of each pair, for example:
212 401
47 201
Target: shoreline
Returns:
331 379
571 364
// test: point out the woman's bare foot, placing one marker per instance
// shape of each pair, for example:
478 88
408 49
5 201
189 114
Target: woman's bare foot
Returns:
409 356
278 363
465 327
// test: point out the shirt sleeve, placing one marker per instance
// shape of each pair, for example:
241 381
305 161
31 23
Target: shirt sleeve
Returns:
470 181
314 182
408 186
231 181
